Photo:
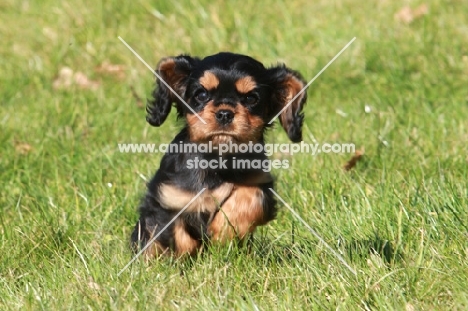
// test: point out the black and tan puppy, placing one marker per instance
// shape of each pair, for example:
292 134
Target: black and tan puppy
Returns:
236 96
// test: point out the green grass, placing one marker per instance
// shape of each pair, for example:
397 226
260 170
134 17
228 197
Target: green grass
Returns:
68 198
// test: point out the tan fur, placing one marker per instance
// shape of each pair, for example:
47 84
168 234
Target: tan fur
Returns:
240 214
209 81
293 86
184 243
245 84
167 70
244 128
174 198
156 249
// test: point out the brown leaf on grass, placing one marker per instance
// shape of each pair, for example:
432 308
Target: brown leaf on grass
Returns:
22 147
353 161
139 101
115 70
407 14
67 78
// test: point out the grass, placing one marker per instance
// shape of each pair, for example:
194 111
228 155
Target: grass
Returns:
68 198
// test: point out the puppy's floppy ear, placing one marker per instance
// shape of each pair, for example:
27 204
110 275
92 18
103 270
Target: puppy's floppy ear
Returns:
287 84
175 72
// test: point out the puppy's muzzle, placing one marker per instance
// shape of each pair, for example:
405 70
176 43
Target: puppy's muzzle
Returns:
224 116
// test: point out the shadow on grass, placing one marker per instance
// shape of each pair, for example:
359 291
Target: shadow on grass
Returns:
354 250
360 249
265 251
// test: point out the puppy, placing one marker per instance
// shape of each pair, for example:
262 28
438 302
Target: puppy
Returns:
223 99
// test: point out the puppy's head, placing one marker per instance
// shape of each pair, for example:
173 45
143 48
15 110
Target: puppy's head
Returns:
235 95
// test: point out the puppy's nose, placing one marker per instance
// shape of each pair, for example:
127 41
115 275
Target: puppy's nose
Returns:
224 117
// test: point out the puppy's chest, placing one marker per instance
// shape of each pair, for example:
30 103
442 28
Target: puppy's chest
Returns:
210 200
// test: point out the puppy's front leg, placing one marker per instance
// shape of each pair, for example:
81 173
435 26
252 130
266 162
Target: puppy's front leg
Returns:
241 213
146 228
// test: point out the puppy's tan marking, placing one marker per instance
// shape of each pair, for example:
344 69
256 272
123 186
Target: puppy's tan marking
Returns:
184 243
167 70
174 198
209 81
245 84
248 127
240 214
155 250
293 86
244 128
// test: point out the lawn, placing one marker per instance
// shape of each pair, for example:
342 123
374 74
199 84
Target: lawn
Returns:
71 92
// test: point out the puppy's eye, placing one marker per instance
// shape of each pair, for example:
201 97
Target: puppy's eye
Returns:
250 99
202 96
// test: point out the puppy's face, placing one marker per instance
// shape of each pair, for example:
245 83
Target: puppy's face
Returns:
229 96
235 95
